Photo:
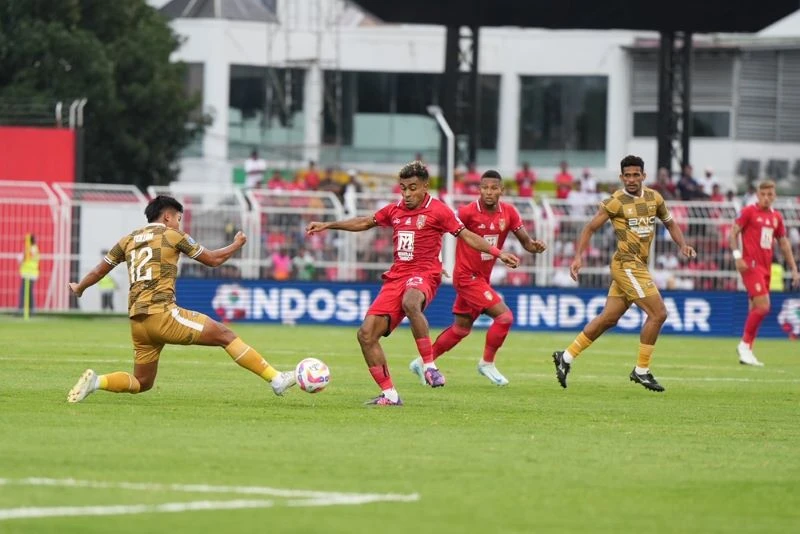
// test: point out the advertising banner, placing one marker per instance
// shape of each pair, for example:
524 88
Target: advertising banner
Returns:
535 309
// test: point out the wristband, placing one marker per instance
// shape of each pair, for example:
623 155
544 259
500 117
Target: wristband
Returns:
494 251
737 254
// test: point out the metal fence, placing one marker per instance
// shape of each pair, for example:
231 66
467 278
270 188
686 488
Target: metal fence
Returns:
75 223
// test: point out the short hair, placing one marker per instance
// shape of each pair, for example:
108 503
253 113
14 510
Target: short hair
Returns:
631 161
414 168
159 205
766 184
491 173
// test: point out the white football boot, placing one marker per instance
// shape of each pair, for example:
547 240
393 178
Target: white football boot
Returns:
282 382
490 371
746 356
85 386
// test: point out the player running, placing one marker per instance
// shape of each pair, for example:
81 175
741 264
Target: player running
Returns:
492 220
418 222
759 226
633 211
152 254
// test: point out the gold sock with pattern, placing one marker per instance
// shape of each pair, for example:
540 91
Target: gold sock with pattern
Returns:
249 358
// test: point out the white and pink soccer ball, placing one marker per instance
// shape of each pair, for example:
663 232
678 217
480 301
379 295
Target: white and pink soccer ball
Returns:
312 375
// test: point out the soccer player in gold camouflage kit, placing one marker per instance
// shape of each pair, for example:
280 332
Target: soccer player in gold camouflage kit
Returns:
632 211
152 254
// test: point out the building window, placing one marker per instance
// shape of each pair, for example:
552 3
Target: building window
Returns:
265 109
704 124
563 117
382 116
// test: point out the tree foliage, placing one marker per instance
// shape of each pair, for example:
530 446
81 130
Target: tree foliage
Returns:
116 54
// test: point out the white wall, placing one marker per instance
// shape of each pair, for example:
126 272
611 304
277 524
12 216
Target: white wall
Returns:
508 52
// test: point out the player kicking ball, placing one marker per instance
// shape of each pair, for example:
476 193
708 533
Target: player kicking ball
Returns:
151 253
492 220
418 222
759 226
633 211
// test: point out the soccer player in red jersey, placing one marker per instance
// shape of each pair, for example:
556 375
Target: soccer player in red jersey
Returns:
493 220
759 225
418 222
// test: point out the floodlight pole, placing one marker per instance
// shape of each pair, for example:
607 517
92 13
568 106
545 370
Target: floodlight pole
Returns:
436 113
449 248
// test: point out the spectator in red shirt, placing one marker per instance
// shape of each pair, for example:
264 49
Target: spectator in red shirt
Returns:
716 194
276 181
664 185
472 180
312 177
563 181
526 180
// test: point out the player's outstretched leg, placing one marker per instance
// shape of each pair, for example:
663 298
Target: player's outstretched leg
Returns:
647 380
89 382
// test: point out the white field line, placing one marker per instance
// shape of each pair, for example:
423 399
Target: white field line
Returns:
127 509
297 498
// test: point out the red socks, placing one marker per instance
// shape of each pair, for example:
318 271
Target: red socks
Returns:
497 335
448 339
425 350
380 374
751 326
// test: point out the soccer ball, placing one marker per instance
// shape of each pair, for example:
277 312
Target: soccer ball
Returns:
312 375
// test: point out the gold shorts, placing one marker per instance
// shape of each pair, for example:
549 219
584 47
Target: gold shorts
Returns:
174 327
631 280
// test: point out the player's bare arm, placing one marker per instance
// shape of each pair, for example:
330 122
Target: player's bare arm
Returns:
94 276
534 246
677 236
480 244
356 224
786 250
215 258
588 231
741 266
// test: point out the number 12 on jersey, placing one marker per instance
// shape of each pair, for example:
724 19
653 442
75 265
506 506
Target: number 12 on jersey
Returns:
138 263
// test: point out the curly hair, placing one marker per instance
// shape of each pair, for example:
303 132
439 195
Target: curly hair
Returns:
414 168
631 161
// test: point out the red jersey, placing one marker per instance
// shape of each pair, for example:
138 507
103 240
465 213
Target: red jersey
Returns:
494 227
417 235
525 183
759 229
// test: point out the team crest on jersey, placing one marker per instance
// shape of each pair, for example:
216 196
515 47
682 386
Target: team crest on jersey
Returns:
420 221
502 224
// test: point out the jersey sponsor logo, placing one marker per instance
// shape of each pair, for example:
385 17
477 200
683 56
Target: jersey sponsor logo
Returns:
481 226
414 281
395 221
642 226
420 221
405 245
487 294
492 240
190 240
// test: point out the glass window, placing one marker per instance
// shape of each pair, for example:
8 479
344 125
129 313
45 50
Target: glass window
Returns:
266 93
563 116
704 123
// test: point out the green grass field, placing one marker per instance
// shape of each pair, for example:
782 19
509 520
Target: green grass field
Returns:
718 452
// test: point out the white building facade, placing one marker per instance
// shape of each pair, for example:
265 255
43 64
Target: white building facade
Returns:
331 85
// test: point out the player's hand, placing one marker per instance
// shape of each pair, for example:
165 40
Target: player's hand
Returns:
315 226
575 268
796 279
688 251
741 266
445 274
240 239
509 259
538 246
73 286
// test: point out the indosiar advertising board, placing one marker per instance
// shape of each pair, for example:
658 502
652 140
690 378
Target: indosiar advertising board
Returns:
535 309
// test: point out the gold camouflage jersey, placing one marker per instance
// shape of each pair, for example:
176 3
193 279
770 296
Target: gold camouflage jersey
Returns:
634 220
152 254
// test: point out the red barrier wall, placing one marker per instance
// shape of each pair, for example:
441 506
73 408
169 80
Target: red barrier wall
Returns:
38 154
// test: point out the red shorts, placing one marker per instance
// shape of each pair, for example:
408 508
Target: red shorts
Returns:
473 297
756 280
389 301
